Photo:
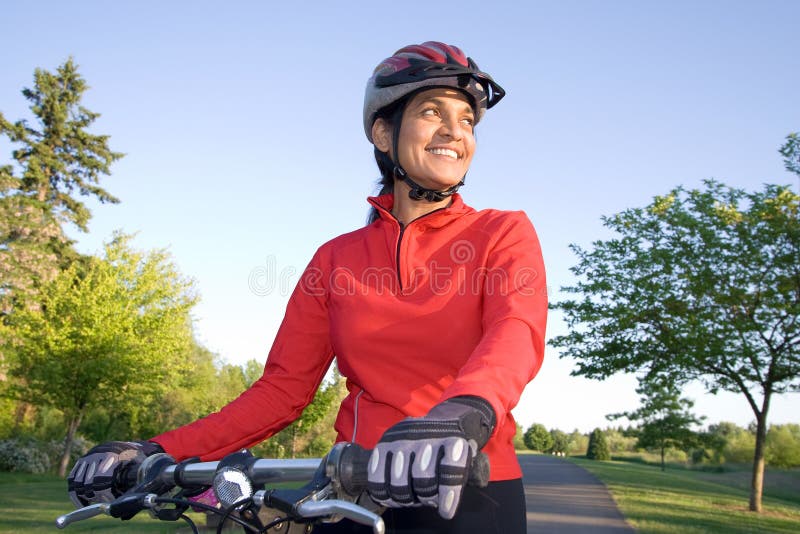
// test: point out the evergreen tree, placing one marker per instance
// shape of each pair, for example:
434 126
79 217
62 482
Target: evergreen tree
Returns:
57 160
598 446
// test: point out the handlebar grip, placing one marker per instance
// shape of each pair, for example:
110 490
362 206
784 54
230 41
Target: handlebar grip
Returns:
479 471
352 462
352 469
125 477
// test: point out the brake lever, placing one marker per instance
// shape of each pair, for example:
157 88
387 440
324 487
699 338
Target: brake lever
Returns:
344 509
82 513
300 504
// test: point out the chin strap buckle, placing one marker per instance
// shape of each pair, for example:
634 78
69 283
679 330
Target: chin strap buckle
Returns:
417 192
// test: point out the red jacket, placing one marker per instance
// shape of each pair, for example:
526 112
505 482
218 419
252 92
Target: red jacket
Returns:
452 304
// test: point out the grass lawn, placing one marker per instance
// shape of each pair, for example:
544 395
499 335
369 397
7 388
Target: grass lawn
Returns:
677 501
684 501
31 503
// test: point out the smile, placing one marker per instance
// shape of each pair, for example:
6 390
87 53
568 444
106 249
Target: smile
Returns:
443 152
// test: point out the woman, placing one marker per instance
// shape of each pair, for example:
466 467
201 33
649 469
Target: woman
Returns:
435 312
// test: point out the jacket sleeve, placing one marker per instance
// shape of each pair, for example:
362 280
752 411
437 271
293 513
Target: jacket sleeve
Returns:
297 362
511 349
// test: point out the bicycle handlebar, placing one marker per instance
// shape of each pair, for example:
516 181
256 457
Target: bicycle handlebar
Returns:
344 477
345 467
262 471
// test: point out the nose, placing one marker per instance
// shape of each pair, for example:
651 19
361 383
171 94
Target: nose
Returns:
452 127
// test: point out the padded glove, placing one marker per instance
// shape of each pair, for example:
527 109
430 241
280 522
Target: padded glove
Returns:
426 460
92 480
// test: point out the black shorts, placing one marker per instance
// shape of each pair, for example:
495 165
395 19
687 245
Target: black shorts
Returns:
498 508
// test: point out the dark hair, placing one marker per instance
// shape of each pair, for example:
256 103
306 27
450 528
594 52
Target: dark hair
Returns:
392 114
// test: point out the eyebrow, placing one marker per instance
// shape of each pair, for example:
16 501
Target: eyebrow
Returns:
440 101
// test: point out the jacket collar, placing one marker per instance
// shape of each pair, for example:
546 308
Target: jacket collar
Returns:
435 219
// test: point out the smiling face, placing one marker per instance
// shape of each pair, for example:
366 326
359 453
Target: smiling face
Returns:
437 141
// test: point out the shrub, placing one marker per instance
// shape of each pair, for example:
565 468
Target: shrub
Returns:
30 455
578 443
598 447
730 443
24 456
519 439
783 445
620 441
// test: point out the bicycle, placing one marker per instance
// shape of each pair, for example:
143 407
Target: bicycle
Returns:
336 491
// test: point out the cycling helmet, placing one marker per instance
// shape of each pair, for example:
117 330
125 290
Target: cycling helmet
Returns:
430 64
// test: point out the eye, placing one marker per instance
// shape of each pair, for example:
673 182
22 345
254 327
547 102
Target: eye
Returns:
430 112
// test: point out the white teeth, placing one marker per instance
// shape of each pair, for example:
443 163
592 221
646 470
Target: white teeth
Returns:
444 152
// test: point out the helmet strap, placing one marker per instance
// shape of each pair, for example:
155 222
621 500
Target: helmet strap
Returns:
416 191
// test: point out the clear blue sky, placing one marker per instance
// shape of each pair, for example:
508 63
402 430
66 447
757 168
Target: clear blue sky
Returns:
245 151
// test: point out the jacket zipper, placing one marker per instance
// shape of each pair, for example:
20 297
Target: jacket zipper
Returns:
400 240
355 416
397 256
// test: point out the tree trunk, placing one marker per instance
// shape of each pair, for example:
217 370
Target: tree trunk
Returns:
19 416
72 428
663 465
757 484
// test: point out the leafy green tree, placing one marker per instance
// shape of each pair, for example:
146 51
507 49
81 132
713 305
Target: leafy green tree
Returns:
208 385
665 418
537 438
619 440
783 445
112 332
319 437
57 159
598 446
519 438
312 433
578 443
730 443
701 284
791 153
560 442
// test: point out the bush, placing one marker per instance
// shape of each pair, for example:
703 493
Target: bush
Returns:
619 441
24 456
519 439
29 455
783 446
7 417
730 443
578 443
598 447
699 456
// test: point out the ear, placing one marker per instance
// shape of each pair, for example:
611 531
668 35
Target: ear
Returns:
381 135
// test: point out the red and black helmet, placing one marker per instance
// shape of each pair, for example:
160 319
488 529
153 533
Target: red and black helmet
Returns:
430 64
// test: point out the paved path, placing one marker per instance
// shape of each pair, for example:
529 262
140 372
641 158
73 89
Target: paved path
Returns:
563 498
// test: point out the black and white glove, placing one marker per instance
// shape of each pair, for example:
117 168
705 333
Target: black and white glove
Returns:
93 478
426 460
